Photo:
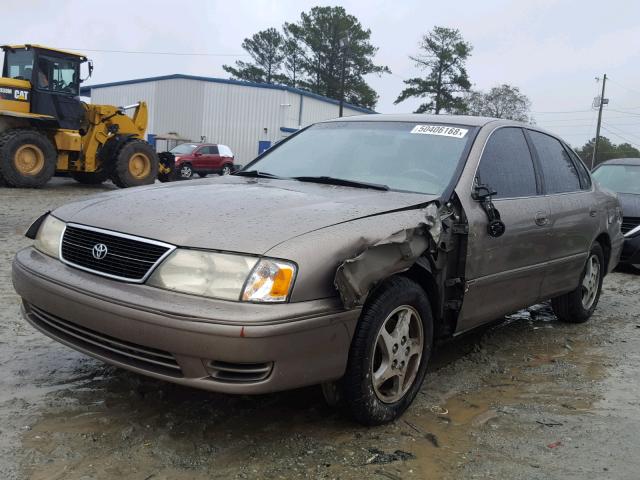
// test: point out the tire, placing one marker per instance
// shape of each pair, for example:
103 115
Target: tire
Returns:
578 306
90 178
375 405
202 174
185 171
167 161
135 164
27 158
226 170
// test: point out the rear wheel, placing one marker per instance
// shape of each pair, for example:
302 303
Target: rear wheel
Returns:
136 164
27 158
389 352
578 306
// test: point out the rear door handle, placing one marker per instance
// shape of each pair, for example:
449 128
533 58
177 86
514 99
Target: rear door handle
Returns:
542 219
593 212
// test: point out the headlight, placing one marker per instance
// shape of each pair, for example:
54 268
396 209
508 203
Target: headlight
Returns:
223 276
49 236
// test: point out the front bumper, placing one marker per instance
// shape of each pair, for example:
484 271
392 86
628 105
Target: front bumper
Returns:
631 250
215 345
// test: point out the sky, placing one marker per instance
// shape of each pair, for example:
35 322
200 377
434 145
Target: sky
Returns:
553 50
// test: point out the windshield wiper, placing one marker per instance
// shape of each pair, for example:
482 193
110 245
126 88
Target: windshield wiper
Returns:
255 173
342 182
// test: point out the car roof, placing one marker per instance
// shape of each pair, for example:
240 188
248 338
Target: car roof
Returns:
622 161
424 117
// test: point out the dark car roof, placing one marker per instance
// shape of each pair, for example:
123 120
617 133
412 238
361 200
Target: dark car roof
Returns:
621 161
423 117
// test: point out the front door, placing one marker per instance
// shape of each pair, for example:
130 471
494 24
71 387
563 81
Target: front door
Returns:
56 89
504 273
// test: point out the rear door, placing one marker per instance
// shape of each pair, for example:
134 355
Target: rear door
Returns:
505 273
574 212
214 161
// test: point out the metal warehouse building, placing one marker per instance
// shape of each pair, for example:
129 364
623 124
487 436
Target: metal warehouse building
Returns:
242 115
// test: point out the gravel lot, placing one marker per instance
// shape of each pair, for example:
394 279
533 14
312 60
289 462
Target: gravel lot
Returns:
528 398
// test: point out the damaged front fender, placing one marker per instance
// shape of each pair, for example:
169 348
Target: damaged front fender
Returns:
357 276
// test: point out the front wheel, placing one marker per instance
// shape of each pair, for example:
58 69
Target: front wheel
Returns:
578 306
136 164
389 352
226 170
186 171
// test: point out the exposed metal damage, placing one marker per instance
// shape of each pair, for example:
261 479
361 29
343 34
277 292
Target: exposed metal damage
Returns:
356 276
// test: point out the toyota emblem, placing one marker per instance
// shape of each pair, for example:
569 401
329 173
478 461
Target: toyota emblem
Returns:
99 251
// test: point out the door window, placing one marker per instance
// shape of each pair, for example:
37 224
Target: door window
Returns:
506 165
585 178
559 172
58 75
213 150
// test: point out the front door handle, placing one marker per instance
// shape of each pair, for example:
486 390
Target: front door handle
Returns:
593 212
542 219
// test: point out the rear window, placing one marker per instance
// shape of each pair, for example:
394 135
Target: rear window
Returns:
405 156
619 178
559 172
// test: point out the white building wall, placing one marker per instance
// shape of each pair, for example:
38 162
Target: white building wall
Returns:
234 115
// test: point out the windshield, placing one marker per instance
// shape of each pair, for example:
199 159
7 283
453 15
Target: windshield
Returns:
18 64
183 148
619 178
401 155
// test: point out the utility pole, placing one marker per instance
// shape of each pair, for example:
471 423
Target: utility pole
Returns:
602 102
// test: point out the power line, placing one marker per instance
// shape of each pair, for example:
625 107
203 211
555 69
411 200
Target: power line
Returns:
623 86
142 52
620 136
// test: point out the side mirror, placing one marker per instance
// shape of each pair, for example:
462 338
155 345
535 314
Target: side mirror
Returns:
197 154
483 193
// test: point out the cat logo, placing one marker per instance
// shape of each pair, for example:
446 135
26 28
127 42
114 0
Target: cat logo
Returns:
22 95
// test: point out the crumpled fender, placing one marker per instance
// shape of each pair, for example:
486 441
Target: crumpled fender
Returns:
357 276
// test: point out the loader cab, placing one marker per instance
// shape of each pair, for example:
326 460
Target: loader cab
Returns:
55 81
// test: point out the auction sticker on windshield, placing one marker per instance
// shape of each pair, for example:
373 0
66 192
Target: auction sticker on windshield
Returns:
443 130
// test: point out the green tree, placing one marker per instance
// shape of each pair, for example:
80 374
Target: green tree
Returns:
291 60
503 101
443 55
265 49
329 38
606 151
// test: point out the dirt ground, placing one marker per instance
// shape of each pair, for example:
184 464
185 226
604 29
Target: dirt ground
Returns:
529 398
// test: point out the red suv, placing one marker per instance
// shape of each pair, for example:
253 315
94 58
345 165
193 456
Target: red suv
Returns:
202 158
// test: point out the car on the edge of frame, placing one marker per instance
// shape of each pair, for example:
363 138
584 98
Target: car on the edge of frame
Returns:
337 258
622 176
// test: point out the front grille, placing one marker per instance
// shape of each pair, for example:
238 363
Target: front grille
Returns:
239 372
629 223
127 258
139 356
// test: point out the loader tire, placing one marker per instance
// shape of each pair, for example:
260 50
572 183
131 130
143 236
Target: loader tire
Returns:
90 178
27 158
135 164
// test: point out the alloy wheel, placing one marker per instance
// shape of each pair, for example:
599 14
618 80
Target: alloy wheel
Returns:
591 282
397 354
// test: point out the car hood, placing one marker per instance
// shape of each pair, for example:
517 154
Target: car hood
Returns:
630 204
233 213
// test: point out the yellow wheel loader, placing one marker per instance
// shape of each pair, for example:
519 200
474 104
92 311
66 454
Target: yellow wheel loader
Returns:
46 129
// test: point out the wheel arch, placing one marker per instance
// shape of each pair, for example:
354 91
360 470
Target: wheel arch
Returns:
605 242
